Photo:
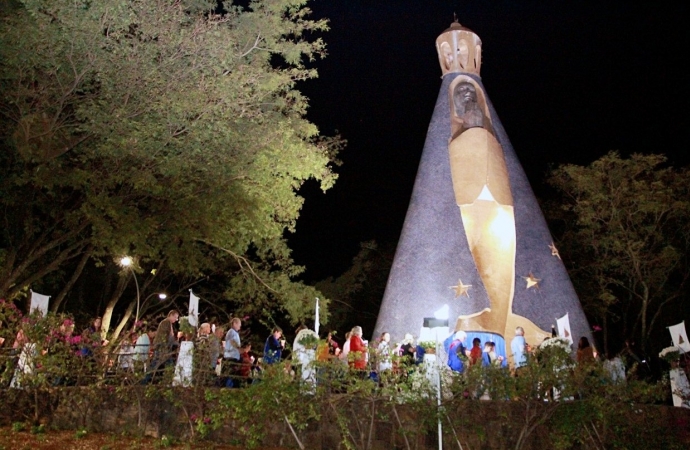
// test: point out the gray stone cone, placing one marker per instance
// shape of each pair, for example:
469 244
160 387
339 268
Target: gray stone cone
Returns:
432 252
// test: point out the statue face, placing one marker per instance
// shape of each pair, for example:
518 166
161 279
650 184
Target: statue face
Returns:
463 95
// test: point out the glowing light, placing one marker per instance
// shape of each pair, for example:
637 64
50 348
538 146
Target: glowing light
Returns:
443 313
162 296
126 261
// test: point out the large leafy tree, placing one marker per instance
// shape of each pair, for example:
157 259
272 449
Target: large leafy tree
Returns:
626 238
167 129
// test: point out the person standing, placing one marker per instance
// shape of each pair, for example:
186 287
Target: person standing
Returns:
273 349
383 351
205 356
126 352
407 351
346 348
358 349
232 351
455 348
333 347
165 342
164 345
585 352
486 354
91 338
143 346
216 345
519 348
476 351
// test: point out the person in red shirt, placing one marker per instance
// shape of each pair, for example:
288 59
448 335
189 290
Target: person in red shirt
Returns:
245 368
358 350
476 352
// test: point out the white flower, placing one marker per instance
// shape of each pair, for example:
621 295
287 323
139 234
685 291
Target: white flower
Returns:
558 342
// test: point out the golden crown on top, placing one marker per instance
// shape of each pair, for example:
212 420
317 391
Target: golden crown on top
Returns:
459 50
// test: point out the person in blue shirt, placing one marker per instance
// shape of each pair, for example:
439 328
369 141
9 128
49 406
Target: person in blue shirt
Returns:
273 349
519 348
455 348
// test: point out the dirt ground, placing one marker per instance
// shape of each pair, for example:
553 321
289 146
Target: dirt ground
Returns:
11 439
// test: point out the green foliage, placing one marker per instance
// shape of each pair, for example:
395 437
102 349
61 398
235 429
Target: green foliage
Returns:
165 442
186 328
276 397
362 284
159 129
309 341
590 411
552 401
428 346
80 433
626 237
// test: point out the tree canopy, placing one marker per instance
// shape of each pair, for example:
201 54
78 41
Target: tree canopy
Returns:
171 130
626 239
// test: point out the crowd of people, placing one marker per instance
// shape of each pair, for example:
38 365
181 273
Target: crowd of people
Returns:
222 359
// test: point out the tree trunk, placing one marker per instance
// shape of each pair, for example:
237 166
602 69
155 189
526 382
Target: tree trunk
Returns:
123 321
75 276
108 314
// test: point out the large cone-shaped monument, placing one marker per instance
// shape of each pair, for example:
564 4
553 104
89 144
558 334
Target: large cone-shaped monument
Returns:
474 236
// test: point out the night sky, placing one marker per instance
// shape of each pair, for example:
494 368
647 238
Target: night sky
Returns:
570 81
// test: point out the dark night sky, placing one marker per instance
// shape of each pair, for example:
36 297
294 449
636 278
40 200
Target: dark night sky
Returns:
570 81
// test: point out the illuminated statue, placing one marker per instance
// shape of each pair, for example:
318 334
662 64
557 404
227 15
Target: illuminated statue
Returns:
482 191
474 238
468 114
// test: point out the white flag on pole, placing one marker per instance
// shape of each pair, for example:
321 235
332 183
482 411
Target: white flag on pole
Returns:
680 336
193 309
316 317
564 330
39 302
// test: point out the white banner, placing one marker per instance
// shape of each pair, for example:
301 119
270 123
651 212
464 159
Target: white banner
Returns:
564 328
680 388
39 302
680 336
193 309
317 323
183 368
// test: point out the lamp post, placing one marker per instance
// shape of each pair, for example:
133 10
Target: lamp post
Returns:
439 321
127 263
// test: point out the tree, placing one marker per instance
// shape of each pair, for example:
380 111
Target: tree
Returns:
356 294
162 129
626 237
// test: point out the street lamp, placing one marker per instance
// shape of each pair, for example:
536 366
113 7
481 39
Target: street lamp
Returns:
438 322
127 262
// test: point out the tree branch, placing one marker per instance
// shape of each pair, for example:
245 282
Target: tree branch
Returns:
242 261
